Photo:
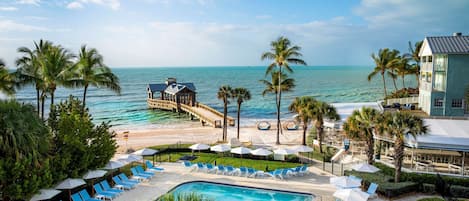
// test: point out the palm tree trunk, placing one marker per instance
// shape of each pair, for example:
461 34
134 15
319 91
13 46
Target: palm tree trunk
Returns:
225 112
398 156
84 96
43 100
279 95
319 136
305 128
239 111
384 84
371 149
37 100
52 97
403 81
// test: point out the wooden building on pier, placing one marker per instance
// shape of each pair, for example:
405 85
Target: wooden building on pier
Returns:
172 91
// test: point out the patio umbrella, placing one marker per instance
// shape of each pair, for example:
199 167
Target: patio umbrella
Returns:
220 148
111 165
365 167
199 147
93 174
261 152
70 184
345 182
351 195
284 151
146 152
303 149
241 150
45 194
129 158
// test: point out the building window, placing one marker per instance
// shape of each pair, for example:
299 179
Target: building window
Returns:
429 77
424 59
430 58
438 102
423 76
457 103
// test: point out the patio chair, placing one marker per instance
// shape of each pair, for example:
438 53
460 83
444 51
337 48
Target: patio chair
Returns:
210 168
76 197
189 165
101 193
277 173
221 169
86 197
252 172
125 179
138 175
230 170
125 185
285 173
296 171
201 167
242 170
151 167
355 178
304 170
372 189
142 171
107 187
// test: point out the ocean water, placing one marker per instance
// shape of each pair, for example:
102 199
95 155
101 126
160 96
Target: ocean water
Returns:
334 84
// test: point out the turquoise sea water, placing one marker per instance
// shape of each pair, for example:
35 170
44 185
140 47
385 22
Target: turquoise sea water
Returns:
220 192
328 83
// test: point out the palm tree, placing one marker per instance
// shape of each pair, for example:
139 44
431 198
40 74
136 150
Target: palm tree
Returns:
303 106
321 110
393 68
90 70
360 125
286 84
6 80
414 55
224 94
282 54
241 95
55 68
401 125
384 61
403 68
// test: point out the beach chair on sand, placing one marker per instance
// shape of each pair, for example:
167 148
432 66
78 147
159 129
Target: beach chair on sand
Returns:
86 197
76 197
107 187
125 185
151 167
372 190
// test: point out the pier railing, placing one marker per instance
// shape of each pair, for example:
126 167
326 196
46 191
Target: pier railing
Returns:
231 121
402 101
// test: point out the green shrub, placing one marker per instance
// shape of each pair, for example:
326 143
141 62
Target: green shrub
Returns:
459 191
428 188
183 197
431 199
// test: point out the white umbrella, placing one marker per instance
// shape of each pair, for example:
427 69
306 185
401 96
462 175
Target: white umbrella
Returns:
145 152
261 152
241 150
345 182
129 158
45 194
365 167
94 174
303 149
284 151
111 165
199 147
351 195
70 184
220 148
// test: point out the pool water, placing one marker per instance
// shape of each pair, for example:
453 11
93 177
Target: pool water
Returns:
224 192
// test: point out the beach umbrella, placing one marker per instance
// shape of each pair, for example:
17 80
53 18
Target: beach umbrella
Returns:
92 174
146 152
129 158
261 152
365 167
70 184
345 182
351 195
199 147
241 150
303 149
111 165
220 148
284 151
45 194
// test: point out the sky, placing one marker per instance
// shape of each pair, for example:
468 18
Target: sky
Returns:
174 33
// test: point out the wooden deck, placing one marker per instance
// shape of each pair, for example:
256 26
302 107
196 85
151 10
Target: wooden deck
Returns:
204 113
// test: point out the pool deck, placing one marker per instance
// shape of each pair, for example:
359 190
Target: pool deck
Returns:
316 183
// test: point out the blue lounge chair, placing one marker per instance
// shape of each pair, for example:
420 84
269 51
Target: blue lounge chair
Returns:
189 165
355 178
285 173
201 167
251 172
304 170
125 179
372 189
275 174
221 169
230 170
138 175
101 193
86 197
210 168
142 171
242 171
107 187
125 185
296 171
150 166
76 197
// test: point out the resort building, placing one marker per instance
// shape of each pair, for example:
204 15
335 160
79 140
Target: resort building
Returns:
444 75
172 91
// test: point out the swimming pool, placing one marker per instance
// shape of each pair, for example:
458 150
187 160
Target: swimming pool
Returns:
225 192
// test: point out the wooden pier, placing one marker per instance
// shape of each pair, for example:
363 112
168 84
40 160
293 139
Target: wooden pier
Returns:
204 113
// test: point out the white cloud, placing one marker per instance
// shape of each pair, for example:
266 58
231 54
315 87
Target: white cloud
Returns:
8 8
10 26
74 5
30 2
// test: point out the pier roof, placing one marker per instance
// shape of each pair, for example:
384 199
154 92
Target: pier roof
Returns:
172 88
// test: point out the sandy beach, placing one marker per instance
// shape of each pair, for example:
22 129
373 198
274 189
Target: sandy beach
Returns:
201 134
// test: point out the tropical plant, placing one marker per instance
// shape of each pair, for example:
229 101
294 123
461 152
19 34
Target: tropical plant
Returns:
90 70
385 60
320 111
240 95
401 125
360 125
282 54
24 148
224 94
79 144
414 55
393 68
192 196
303 107
403 68
286 84
7 81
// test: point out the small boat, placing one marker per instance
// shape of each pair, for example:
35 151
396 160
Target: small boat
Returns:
263 125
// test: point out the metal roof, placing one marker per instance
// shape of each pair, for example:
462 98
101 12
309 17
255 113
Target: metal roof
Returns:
157 87
449 44
172 88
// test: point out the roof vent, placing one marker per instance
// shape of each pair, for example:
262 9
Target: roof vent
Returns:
457 34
